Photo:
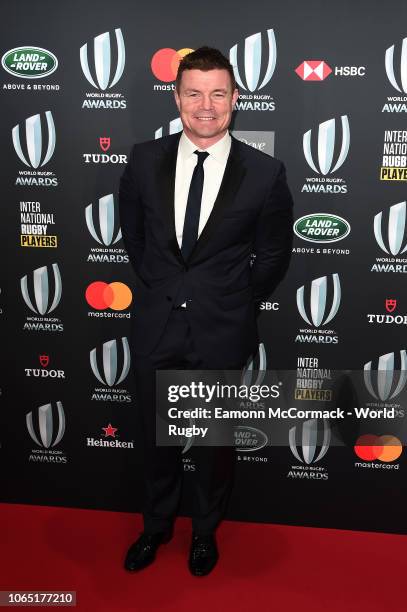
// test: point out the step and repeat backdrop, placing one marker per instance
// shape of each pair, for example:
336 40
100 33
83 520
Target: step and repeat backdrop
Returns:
323 86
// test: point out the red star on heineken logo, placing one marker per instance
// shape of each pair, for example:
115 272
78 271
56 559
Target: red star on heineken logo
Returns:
110 431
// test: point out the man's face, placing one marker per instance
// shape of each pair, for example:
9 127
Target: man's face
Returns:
205 101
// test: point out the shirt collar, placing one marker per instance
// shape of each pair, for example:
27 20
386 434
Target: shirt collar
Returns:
219 151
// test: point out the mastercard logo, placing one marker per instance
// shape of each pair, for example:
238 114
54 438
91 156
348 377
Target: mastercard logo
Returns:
116 296
382 448
164 63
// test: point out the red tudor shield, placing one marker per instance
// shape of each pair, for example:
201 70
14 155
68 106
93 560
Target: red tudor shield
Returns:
391 305
104 143
44 360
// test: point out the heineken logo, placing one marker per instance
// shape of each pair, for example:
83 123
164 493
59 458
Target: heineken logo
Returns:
29 62
321 227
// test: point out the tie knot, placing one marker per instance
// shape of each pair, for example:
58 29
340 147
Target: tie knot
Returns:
202 155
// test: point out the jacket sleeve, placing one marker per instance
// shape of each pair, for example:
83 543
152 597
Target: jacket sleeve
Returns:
131 213
273 239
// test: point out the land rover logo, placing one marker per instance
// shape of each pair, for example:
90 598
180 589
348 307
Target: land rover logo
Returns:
29 62
321 227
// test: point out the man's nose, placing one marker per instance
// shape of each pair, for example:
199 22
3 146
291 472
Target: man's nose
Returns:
206 102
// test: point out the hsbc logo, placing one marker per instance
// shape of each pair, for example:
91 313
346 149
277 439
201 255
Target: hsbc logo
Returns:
313 70
327 134
110 374
319 70
394 241
37 297
103 77
104 157
387 382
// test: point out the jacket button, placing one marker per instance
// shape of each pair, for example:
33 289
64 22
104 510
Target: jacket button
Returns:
169 298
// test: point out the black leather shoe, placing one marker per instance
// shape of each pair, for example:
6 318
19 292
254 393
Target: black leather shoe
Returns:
203 555
142 552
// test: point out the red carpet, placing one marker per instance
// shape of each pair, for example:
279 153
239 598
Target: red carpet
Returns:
262 567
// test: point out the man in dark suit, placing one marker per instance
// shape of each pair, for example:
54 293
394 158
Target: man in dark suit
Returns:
194 209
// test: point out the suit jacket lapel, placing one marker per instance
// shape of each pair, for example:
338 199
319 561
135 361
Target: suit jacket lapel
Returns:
232 178
167 164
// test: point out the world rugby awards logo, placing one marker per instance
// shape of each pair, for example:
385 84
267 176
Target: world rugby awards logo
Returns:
174 127
387 384
253 63
110 363
395 230
102 78
325 146
41 290
48 435
33 133
318 314
403 67
309 441
106 221
113 368
305 440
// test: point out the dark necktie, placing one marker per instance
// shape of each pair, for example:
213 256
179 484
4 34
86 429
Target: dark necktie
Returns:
193 210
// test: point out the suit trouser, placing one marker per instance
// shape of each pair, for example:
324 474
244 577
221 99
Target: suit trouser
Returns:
163 466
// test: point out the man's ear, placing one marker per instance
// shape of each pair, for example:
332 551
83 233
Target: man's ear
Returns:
235 96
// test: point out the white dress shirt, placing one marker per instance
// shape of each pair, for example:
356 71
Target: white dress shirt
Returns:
214 168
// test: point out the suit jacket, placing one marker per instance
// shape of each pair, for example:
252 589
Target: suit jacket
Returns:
252 214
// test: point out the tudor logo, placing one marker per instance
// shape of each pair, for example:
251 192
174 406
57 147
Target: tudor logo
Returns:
253 62
391 305
104 143
34 141
44 360
29 62
395 243
387 385
41 290
103 60
106 213
42 428
313 70
318 301
111 374
389 61
326 146
305 440
321 227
